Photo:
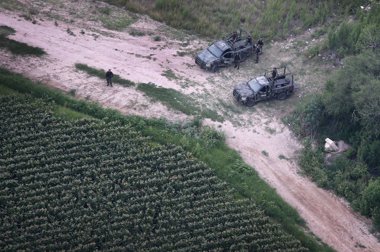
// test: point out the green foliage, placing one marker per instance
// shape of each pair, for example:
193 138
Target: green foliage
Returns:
308 116
369 38
219 157
348 178
102 74
348 109
266 19
370 201
177 101
311 162
313 51
16 47
6 30
358 35
368 152
355 90
68 114
105 10
106 178
344 39
169 74
136 33
7 91
12 5
157 38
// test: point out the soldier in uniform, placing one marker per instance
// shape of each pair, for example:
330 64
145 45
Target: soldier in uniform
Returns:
260 44
109 76
274 73
234 37
237 60
249 40
257 51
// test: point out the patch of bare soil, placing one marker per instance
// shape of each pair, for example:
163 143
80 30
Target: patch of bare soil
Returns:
163 56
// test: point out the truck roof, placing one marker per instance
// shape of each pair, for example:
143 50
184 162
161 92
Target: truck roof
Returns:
222 45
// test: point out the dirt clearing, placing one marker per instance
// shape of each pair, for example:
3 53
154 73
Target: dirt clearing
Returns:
162 56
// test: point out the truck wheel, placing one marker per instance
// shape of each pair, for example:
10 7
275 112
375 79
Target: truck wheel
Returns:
282 96
214 68
250 102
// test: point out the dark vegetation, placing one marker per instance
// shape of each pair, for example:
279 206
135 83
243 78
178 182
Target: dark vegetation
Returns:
348 109
91 185
267 19
177 100
16 47
198 142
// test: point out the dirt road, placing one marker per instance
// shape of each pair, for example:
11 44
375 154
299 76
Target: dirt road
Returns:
145 58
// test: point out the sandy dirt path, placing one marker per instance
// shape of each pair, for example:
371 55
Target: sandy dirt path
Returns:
142 59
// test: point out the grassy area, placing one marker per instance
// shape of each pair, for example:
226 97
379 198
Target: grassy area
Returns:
205 144
177 101
169 74
7 91
102 74
267 19
6 30
122 178
12 5
114 20
16 47
117 23
347 109
170 97
69 114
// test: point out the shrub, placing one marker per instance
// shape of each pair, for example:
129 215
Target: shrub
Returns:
308 116
370 201
312 163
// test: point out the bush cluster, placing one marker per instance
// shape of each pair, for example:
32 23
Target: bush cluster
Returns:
272 19
348 109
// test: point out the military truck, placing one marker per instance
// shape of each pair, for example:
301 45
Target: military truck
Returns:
223 53
277 84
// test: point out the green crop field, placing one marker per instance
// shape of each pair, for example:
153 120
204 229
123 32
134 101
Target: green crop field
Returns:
90 185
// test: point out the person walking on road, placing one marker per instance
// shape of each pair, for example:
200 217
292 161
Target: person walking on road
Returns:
109 76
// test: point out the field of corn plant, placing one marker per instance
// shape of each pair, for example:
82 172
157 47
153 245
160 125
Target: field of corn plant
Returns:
91 185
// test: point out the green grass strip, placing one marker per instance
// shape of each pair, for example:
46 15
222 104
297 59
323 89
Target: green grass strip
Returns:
102 74
177 101
167 96
6 30
19 48
226 162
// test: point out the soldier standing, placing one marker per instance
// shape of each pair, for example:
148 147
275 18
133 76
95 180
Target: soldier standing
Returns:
257 51
109 76
234 37
237 60
260 44
249 40
274 73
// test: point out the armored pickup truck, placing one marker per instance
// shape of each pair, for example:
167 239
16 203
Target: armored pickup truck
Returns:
223 53
279 84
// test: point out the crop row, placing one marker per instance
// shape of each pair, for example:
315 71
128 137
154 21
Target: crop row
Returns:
90 185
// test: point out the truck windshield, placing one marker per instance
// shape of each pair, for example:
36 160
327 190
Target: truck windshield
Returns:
216 51
254 85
